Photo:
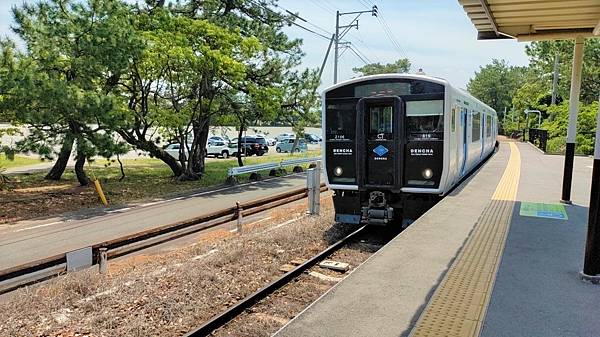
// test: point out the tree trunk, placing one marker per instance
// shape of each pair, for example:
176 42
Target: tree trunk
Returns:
201 134
195 165
154 151
121 167
79 171
239 146
63 159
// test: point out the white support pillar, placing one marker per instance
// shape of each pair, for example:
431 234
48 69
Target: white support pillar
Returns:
573 111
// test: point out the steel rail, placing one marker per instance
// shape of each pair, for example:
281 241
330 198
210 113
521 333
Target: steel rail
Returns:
229 314
16 277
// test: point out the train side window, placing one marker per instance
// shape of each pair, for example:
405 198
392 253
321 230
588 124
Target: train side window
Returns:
488 126
476 128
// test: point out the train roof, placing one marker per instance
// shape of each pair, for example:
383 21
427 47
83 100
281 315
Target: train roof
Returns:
387 76
433 79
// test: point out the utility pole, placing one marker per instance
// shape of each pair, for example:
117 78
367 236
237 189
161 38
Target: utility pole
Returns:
337 42
339 36
555 79
326 56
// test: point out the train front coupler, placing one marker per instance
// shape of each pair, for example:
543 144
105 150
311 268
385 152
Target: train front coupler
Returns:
378 212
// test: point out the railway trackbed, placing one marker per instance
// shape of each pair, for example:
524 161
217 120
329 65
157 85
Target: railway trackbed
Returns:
40 270
232 320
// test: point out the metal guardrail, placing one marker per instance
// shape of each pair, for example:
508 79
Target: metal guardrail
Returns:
234 171
539 138
43 269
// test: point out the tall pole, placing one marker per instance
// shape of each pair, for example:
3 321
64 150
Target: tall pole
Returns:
337 41
346 28
555 79
573 110
326 56
591 262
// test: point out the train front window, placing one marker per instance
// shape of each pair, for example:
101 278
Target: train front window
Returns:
425 119
341 120
380 121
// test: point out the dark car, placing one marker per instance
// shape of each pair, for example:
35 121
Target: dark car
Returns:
311 138
250 146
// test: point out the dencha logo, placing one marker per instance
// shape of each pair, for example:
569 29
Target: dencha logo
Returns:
342 152
421 152
381 150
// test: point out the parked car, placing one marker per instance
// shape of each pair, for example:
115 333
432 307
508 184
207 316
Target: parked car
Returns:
270 141
223 139
286 145
217 148
285 136
251 145
173 150
312 138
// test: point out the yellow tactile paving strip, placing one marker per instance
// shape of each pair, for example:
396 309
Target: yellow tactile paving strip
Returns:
458 306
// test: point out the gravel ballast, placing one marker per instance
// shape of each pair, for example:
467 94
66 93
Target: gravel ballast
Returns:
171 293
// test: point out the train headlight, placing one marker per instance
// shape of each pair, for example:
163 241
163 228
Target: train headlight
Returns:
427 173
338 171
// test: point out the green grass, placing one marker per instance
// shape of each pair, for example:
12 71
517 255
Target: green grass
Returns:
148 178
19 161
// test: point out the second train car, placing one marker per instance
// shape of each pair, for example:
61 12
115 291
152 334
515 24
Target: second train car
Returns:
394 144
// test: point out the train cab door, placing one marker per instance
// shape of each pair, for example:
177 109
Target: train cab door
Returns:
465 147
380 142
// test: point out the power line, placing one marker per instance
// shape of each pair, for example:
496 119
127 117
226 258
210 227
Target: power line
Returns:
303 19
310 30
323 7
362 54
328 4
292 21
386 28
358 55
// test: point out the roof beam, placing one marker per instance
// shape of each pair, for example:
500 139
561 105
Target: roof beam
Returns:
597 29
489 15
566 34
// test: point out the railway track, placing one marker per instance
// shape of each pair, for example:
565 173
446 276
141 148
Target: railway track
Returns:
222 319
40 270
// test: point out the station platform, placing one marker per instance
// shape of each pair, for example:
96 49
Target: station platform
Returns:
499 256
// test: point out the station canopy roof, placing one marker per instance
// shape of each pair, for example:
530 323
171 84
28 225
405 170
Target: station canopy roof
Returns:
533 20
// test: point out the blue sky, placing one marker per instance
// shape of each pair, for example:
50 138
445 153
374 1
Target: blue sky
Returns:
435 35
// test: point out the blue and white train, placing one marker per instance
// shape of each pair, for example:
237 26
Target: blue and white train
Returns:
394 144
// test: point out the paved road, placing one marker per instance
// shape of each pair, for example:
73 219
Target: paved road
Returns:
29 242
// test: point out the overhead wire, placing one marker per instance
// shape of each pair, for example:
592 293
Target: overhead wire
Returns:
386 28
323 7
293 22
358 55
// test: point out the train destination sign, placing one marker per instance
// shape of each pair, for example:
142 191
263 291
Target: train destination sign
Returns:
539 210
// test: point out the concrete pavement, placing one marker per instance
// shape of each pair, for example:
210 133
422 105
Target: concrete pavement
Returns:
537 289
385 295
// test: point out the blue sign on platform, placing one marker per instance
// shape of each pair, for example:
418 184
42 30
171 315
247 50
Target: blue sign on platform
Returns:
539 210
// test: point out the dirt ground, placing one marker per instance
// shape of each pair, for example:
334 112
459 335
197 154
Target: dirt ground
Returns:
171 293
27 203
